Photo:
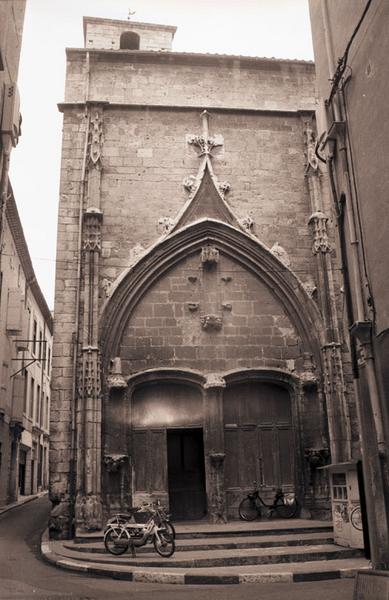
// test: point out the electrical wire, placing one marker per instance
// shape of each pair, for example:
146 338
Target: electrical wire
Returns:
342 62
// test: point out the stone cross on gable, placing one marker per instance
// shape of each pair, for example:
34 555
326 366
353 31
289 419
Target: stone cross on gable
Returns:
205 142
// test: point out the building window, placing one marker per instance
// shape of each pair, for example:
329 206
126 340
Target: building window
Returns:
31 404
129 41
25 391
34 336
37 412
48 360
47 413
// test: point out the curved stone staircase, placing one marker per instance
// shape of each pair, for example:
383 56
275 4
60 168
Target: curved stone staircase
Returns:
236 552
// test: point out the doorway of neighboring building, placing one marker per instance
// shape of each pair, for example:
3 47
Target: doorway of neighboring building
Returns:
186 474
22 472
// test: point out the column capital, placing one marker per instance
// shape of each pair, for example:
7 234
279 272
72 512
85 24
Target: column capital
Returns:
214 380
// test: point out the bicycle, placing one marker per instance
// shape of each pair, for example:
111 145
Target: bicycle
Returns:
122 531
284 505
164 517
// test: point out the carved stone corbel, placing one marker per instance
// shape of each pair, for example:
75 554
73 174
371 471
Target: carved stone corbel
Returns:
209 255
114 462
211 322
115 379
214 380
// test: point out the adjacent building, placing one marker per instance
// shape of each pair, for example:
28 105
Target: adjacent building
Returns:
25 320
351 47
25 353
198 339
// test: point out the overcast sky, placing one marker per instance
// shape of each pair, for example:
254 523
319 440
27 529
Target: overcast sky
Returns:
278 28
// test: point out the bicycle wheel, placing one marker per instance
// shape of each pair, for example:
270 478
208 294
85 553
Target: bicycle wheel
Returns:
169 528
116 540
286 510
356 518
249 509
164 543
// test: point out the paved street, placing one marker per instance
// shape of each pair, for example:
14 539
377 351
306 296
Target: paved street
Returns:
24 576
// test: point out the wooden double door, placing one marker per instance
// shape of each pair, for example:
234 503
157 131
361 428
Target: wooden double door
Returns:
169 446
258 437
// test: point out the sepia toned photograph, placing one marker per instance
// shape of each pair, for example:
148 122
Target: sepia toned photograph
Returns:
194 313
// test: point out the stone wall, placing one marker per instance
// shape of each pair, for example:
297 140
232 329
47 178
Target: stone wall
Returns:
105 33
174 79
167 328
146 158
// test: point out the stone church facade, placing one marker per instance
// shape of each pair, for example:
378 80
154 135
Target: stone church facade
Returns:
198 341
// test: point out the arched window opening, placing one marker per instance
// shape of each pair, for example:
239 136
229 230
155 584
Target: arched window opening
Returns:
129 41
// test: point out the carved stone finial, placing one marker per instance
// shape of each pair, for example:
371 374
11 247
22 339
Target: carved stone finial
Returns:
209 255
115 378
204 142
310 286
321 243
92 229
95 139
281 254
165 224
211 322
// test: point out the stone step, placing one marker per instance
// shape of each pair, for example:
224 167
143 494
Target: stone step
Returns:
222 558
201 529
301 569
219 543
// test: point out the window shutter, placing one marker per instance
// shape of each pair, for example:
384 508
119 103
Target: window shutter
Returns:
14 312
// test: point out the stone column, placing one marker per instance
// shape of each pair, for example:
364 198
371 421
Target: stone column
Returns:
88 508
214 447
334 383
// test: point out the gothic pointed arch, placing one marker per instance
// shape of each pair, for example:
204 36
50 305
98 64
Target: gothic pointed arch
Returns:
249 253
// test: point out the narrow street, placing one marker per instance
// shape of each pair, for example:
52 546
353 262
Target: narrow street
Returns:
24 575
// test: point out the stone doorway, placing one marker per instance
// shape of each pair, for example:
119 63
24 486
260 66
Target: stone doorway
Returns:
186 474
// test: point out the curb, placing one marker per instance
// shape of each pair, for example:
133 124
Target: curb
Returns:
148 576
9 507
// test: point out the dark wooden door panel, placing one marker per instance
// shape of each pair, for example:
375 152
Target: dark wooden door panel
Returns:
186 476
259 436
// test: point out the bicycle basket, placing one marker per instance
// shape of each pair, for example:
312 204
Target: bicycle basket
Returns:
141 517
